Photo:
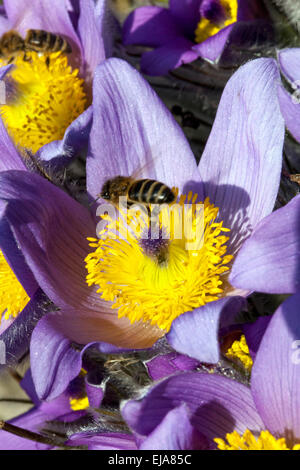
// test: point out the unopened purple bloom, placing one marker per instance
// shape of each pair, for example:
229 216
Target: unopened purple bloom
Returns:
213 24
131 128
217 406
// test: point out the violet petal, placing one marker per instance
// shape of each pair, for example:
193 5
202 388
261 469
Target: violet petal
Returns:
175 432
218 405
244 150
269 261
129 130
275 379
168 57
139 26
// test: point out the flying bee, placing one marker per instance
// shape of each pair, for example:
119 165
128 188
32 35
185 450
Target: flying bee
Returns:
42 41
36 40
142 191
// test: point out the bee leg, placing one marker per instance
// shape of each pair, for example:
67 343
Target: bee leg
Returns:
48 61
25 57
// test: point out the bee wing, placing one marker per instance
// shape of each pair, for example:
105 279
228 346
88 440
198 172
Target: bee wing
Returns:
146 170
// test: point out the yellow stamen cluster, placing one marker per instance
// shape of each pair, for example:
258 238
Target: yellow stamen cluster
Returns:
13 297
79 403
157 289
207 28
265 441
47 96
239 352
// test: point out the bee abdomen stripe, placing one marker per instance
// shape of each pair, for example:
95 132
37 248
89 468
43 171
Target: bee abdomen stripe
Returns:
135 189
155 191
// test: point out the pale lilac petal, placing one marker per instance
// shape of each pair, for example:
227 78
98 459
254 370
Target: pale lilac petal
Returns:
175 432
150 26
212 48
290 109
39 14
95 34
168 57
133 130
244 151
269 261
275 378
196 333
60 152
289 61
218 405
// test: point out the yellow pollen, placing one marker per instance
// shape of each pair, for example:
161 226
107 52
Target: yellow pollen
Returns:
265 441
13 297
207 28
46 96
79 403
185 271
239 352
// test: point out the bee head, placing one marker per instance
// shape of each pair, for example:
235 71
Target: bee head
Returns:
105 192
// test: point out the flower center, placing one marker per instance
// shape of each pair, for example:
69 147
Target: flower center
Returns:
155 279
13 297
216 17
44 96
265 441
79 403
239 353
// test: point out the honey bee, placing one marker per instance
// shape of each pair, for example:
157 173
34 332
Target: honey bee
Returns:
141 191
42 41
36 40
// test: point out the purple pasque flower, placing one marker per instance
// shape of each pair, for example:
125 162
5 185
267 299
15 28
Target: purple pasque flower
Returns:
131 128
217 406
86 26
188 29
